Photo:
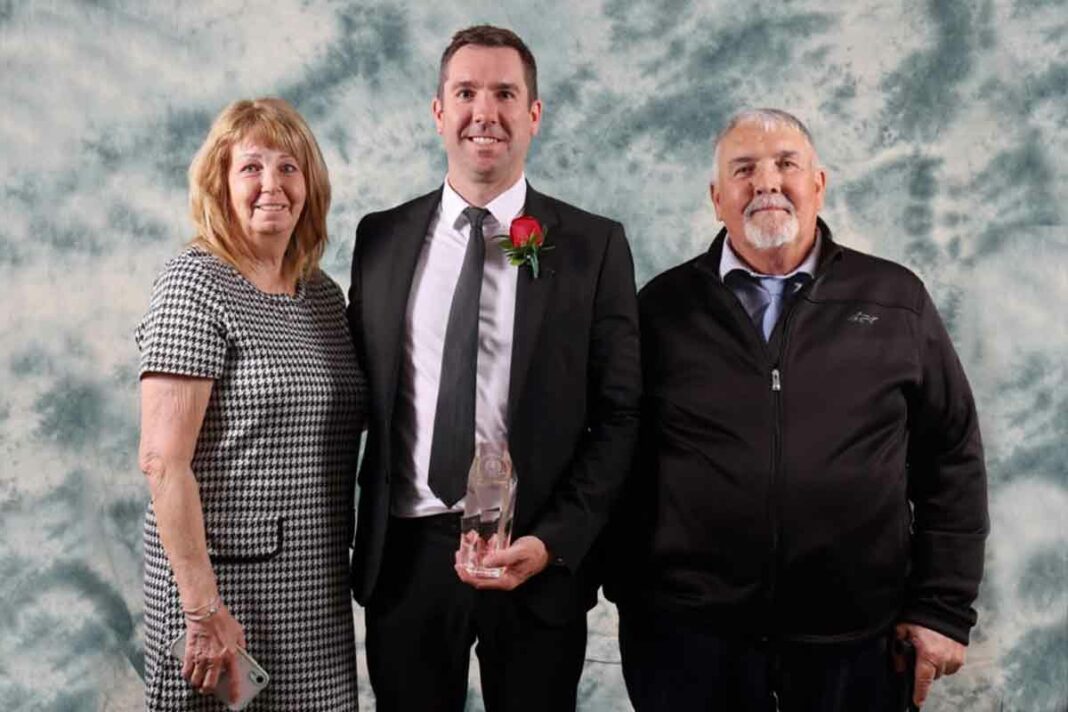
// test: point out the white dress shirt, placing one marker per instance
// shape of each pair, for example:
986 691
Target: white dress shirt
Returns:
426 320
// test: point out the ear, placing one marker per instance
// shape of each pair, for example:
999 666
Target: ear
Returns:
713 191
821 187
535 117
438 110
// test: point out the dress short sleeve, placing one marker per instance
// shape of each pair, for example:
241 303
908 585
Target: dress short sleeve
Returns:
184 331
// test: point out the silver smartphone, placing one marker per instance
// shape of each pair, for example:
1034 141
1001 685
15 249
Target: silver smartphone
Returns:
251 677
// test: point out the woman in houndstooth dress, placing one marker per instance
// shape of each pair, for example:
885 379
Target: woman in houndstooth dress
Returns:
251 401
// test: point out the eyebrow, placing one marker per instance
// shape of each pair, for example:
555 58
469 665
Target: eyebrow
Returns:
751 159
497 86
253 154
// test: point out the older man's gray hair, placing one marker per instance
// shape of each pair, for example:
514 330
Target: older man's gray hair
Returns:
766 119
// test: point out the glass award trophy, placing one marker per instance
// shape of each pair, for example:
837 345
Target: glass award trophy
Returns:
489 507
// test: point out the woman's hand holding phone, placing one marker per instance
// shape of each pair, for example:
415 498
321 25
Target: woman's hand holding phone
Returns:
210 650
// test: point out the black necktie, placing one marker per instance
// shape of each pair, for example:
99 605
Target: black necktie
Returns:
453 445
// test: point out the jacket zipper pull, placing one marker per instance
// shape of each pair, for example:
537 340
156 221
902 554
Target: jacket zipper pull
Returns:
776 382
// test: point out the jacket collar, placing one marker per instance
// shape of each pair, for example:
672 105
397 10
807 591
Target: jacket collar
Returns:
390 283
533 295
830 251
503 209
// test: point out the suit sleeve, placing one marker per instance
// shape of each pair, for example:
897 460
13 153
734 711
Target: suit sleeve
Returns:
580 505
947 487
354 311
628 535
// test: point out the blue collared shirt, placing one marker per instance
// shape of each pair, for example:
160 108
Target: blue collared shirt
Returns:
764 309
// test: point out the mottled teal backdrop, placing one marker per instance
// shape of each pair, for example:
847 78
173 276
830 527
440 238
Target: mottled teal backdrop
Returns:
942 125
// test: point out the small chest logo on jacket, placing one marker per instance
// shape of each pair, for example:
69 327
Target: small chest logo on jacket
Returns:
863 318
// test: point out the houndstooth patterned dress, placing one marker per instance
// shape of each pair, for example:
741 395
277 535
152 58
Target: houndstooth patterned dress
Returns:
275 462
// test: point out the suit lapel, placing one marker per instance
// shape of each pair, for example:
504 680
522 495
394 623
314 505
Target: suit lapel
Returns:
393 281
532 298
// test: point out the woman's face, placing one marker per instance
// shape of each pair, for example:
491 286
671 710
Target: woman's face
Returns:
267 191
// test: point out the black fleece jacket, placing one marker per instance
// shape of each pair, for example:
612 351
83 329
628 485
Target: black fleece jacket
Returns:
818 487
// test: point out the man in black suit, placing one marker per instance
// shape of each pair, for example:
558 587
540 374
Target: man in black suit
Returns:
546 360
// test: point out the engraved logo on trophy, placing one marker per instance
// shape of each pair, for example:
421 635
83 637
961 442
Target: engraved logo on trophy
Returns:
489 507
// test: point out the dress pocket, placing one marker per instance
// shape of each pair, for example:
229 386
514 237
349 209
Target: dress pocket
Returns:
246 540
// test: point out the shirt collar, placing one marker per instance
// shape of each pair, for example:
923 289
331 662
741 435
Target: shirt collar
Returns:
504 208
730 261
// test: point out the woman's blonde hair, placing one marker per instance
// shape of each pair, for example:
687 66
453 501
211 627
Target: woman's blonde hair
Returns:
276 124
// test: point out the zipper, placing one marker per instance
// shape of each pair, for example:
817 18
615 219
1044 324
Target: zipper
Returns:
774 495
776 385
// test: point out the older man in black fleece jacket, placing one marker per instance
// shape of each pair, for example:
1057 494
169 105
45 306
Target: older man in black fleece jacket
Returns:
809 496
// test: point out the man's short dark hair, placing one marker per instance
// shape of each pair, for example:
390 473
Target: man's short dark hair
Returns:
490 36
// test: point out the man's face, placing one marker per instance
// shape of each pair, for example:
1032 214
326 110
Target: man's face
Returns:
485 116
768 190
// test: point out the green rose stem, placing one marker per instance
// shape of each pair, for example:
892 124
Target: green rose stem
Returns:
528 254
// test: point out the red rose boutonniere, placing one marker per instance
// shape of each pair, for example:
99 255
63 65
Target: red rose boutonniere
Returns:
524 243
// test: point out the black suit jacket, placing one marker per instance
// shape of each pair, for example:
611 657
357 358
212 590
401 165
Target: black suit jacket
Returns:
573 398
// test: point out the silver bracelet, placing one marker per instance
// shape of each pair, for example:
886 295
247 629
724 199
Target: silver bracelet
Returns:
212 606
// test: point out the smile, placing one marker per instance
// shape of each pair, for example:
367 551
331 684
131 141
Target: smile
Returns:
770 208
483 140
271 207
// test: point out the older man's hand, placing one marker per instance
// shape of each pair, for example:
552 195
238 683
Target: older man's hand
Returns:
526 557
936 655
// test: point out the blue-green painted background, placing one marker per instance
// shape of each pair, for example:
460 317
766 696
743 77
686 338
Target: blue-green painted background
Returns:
942 125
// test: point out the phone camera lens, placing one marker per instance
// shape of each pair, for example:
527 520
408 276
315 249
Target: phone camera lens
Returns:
256 678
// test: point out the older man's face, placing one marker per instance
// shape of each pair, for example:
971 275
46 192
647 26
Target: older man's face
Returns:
768 189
